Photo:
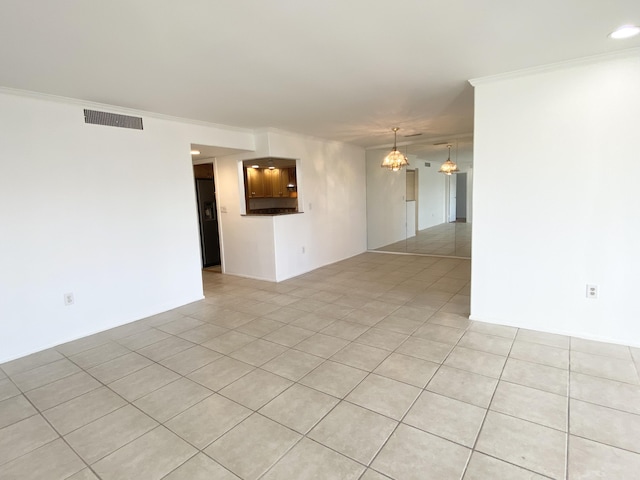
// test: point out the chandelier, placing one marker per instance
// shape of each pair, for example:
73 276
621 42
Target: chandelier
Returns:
449 167
395 160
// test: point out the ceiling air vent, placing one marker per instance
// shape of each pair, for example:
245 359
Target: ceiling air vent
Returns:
112 119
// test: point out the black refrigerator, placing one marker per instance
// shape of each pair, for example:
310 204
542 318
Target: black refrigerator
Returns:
207 213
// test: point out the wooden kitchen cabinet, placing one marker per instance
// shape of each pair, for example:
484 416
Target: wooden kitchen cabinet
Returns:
255 183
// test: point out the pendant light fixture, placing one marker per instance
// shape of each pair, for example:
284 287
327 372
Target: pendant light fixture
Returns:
449 167
395 160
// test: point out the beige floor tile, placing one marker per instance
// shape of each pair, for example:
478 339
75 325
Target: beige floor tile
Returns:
464 386
179 325
44 374
605 367
385 396
84 409
190 360
293 364
322 345
335 310
30 362
493 329
309 460
486 343
8 389
208 420
143 339
439 333
228 342
299 407
108 433
345 330
334 378
165 348
258 353
450 320
373 475
101 354
220 373
530 404
483 467
542 354
411 370
600 348
361 356
420 314
475 361
542 377
201 467
353 431
608 393
126 330
203 333
590 460
543 338
14 409
144 381
313 322
62 390
410 453
228 318
256 388
23 437
425 349
445 417
172 399
285 314
382 339
605 425
53 461
151 456
80 345
289 335
260 327
529 445
84 474
120 367
398 324
252 446
368 318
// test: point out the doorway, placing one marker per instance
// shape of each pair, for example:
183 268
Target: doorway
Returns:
207 215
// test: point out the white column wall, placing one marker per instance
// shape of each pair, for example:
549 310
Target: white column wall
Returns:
106 213
556 169
332 195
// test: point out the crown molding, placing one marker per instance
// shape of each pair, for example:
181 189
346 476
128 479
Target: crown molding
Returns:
551 67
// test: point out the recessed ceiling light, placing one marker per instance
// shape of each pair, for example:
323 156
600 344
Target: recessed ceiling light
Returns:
625 31
195 152
255 166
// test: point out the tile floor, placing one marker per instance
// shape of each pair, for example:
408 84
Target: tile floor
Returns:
365 369
447 239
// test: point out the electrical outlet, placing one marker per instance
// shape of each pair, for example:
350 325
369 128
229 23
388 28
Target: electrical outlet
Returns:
592 291
303 249
223 209
68 299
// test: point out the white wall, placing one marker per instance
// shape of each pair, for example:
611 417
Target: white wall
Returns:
331 195
431 192
106 213
386 205
564 211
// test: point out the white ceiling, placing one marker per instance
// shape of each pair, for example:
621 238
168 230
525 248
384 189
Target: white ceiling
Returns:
340 69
